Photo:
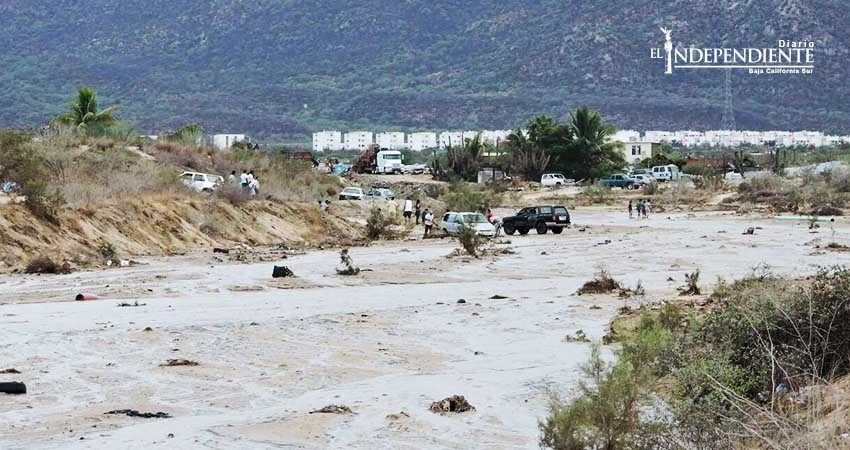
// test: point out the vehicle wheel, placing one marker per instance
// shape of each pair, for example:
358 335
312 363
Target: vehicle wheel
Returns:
541 228
557 230
509 229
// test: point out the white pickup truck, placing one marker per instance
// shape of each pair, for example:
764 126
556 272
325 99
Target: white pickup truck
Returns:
201 182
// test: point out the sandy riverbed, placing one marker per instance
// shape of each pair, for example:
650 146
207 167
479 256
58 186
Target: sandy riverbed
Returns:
390 340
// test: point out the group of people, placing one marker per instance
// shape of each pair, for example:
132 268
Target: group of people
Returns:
412 209
247 181
642 207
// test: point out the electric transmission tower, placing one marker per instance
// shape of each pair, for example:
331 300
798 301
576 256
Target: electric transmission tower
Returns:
727 122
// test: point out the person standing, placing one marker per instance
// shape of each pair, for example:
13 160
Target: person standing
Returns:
647 208
254 187
243 179
630 209
428 221
639 207
408 210
231 179
418 210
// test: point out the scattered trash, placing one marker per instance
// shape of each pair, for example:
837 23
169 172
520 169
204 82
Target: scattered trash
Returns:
398 416
453 404
253 324
179 362
134 304
461 301
134 413
579 336
13 388
595 307
333 409
282 272
221 250
13 370
498 297
83 296
349 267
750 230
836 247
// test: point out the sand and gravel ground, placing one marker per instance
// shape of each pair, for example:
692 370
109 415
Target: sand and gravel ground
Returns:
390 340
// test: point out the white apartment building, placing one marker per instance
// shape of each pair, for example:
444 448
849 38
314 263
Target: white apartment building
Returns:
625 136
421 141
391 140
358 140
327 141
451 138
223 141
495 137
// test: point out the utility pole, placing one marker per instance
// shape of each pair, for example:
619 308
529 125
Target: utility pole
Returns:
727 122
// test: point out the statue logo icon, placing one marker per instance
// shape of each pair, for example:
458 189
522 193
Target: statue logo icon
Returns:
668 48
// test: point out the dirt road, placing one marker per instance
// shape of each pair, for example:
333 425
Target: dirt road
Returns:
391 340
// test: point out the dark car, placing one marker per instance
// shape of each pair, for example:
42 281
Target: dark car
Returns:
540 218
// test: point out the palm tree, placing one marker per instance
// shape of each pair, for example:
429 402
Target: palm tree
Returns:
527 158
590 151
83 112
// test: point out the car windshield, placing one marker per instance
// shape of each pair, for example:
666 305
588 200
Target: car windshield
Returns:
558 175
392 156
351 190
474 218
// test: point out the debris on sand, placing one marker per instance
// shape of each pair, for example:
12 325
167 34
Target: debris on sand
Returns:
282 272
691 286
461 301
84 296
453 404
134 304
134 413
44 264
603 283
14 388
836 247
750 230
333 409
221 250
498 297
348 265
148 329
579 336
13 370
179 362
398 416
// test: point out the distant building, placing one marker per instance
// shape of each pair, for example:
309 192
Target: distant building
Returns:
495 137
451 138
223 141
391 140
626 136
358 140
421 141
327 141
634 152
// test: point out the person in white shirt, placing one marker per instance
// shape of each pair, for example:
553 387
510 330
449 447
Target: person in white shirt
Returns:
428 220
254 187
408 210
231 179
243 179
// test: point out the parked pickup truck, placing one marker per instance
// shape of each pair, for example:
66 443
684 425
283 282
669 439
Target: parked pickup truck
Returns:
539 218
619 180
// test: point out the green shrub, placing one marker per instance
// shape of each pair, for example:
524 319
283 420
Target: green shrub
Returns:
107 251
462 197
596 194
42 203
471 241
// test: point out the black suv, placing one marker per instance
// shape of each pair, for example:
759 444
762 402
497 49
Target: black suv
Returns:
540 218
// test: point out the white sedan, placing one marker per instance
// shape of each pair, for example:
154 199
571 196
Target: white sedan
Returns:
352 193
454 222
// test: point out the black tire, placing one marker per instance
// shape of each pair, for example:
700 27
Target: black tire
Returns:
509 229
557 230
523 231
541 228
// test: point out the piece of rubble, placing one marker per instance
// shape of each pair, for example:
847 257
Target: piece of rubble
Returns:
282 272
179 362
134 413
453 404
333 409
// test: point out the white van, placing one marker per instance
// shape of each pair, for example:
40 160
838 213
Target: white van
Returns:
388 161
454 222
201 182
669 172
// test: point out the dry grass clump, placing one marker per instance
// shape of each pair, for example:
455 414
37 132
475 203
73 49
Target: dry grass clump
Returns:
43 264
826 194
602 283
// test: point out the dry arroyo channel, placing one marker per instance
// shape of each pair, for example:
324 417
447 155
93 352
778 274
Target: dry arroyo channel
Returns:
385 343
